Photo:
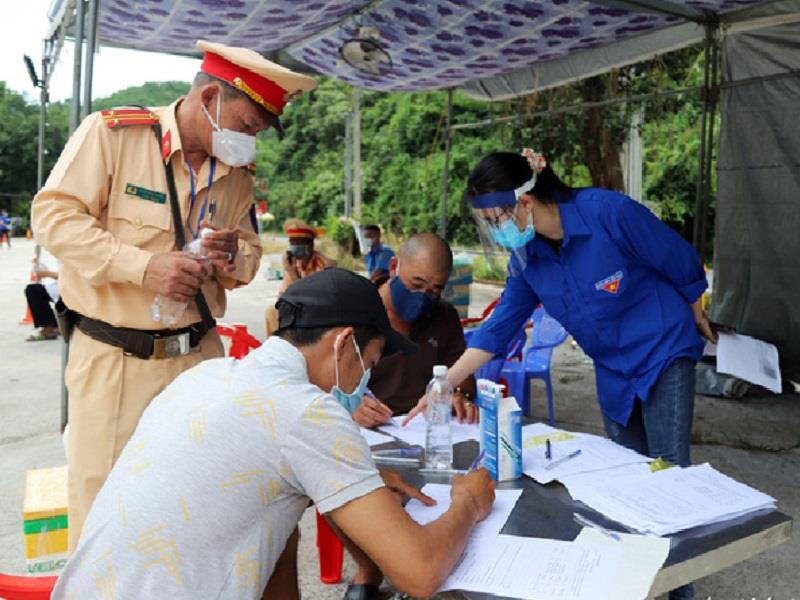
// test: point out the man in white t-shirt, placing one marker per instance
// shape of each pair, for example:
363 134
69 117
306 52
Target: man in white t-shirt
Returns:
207 493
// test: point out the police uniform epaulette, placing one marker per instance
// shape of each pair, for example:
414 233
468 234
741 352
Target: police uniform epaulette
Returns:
119 117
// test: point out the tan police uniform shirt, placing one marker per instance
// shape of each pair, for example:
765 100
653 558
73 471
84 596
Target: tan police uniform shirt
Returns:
104 212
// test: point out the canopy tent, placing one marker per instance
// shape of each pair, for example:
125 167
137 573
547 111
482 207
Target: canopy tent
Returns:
487 49
491 49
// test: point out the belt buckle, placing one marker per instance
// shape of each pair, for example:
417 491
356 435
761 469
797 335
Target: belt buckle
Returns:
171 346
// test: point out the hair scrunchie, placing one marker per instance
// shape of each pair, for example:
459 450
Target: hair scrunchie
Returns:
536 160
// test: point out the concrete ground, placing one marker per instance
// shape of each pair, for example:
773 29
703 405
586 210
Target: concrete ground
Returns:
29 438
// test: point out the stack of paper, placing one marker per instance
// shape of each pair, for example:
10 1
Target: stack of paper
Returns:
596 453
668 501
414 432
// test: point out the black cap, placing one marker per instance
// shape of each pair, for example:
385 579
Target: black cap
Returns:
338 298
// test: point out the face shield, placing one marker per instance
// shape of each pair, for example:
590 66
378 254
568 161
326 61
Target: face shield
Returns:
504 225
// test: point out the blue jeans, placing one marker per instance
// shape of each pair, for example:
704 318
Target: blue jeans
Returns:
662 426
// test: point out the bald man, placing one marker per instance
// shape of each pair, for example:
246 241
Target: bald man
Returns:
412 297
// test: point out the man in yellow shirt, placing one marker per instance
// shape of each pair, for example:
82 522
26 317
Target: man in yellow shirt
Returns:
109 213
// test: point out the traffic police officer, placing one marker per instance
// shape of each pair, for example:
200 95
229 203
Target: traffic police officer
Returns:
106 214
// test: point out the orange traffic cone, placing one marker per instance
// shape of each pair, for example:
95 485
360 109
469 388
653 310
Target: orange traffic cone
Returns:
28 318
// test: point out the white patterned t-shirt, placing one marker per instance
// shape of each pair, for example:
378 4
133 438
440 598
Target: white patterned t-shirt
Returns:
214 480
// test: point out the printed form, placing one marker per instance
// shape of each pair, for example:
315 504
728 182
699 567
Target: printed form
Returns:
536 569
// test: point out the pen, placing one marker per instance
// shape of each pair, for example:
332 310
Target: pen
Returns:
477 462
581 520
410 452
398 460
563 459
547 449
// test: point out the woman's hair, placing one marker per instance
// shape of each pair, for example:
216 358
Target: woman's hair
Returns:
507 171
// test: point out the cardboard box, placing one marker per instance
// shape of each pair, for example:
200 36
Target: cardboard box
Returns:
45 520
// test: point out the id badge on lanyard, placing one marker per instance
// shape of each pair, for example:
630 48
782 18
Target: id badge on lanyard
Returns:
208 202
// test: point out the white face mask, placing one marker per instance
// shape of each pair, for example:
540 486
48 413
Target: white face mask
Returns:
234 148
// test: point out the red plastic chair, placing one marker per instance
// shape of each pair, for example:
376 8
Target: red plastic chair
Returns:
21 587
331 552
330 548
241 340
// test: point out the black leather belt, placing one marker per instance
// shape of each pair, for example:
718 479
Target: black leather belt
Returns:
161 343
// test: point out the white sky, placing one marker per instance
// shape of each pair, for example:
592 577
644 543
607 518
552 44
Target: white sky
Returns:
22 30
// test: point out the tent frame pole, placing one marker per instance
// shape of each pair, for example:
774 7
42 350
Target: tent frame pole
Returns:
446 173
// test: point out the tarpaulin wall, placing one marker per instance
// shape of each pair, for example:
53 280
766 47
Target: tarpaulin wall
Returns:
757 245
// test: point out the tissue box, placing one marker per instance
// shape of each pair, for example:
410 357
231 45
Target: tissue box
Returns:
501 432
45 520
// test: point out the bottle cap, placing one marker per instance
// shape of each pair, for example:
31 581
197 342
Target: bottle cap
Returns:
440 370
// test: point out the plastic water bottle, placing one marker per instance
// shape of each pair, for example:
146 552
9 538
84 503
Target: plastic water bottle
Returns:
166 310
438 436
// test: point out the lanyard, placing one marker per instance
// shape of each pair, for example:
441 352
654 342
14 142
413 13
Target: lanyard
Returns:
193 197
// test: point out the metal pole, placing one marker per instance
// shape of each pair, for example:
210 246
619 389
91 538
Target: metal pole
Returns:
713 98
357 152
91 45
446 173
348 165
75 109
698 202
43 85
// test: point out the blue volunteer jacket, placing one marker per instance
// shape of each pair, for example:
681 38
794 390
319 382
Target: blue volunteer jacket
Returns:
622 286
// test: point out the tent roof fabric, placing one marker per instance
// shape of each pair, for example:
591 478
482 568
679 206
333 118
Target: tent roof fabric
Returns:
490 48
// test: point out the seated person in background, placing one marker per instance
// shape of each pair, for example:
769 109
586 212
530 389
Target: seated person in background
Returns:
39 295
205 499
412 298
379 255
300 260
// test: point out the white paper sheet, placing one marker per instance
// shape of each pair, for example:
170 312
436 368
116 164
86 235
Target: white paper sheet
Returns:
642 557
414 432
504 502
374 438
536 569
597 454
749 359
666 501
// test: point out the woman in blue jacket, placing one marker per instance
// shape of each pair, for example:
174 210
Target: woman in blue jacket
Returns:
623 284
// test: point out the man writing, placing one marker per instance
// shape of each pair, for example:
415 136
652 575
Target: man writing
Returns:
109 213
243 445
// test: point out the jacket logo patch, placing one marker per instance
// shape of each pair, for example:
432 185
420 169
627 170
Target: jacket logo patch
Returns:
609 284
145 194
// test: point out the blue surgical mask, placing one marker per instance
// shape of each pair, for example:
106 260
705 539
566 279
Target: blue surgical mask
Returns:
409 304
508 235
352 400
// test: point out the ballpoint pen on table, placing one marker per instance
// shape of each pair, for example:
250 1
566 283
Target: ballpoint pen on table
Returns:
548 454
581 520
563 459
408 452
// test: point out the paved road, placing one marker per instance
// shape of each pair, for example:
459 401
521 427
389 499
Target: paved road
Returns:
29 416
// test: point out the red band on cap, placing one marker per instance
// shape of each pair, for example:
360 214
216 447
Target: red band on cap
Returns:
310 233
261 90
